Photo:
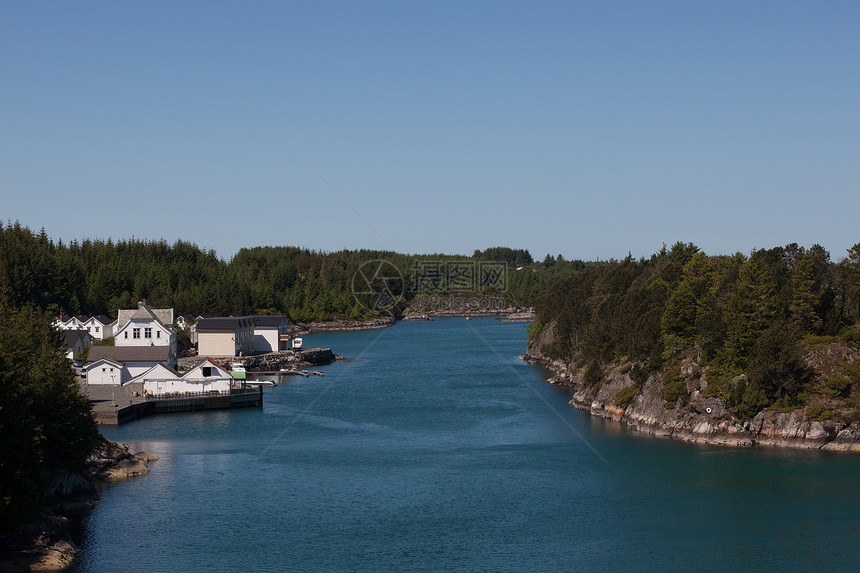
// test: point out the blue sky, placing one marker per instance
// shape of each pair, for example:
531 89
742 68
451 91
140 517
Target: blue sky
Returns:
586 129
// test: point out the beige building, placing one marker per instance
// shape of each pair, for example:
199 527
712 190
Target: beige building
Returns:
242 335
228 336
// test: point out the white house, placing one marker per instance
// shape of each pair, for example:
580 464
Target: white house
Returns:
205 377
99 327
66 322
147 326
106 371
271 333
133 361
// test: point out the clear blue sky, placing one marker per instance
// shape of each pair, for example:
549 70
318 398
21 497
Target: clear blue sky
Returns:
609 126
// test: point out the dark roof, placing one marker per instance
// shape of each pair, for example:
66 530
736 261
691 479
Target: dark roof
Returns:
72 336
130 353
103 319
82 317
229 323
224 324
269 320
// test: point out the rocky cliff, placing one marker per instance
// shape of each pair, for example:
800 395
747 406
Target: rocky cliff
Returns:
641 406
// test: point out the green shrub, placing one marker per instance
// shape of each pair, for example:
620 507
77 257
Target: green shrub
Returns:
674 386
626 396
784 405
852 370
838 385
750 399
818 413
593 374
626 368
639 375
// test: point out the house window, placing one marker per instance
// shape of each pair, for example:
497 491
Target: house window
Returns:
147 333
126 334
97 330
88 329
158 334
104 369
135 333
207 371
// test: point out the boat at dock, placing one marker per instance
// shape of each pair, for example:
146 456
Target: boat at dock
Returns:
237 370
257 380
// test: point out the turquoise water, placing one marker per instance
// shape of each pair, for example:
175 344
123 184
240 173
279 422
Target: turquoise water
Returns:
433 449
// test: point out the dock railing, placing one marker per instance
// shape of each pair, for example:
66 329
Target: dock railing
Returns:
208 394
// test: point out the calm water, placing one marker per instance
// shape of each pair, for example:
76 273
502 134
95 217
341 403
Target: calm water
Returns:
436 449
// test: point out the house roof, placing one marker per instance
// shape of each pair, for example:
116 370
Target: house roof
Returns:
144 311
103 319
148 373
71 337
221 324
130 353
106 361
269 320
208 362
230 323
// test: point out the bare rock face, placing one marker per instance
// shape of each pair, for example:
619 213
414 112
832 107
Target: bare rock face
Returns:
712 407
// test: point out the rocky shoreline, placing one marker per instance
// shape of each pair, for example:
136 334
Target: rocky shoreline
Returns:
68 496
348 324
704 420
293 359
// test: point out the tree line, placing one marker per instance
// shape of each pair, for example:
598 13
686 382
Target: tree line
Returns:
101 276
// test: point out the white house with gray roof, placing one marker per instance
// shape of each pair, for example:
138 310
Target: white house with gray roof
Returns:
147 326
99 327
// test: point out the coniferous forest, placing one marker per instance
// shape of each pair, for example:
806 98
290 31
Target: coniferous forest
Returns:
99 277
